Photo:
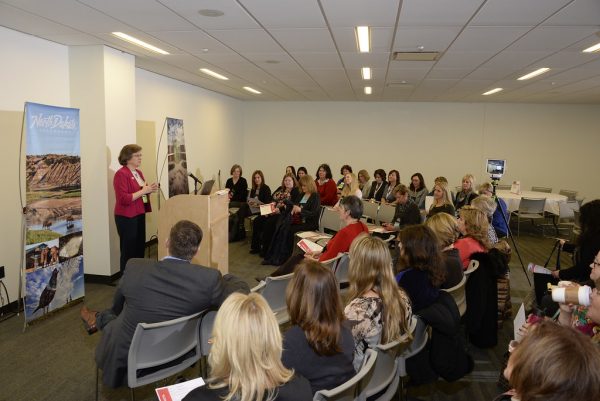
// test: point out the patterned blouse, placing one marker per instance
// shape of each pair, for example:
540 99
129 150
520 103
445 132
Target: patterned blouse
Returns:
365 315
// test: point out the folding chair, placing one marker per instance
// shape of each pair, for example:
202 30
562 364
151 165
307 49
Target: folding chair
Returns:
529 208
370 210
273 290
542 189
459 295
386 214
330 220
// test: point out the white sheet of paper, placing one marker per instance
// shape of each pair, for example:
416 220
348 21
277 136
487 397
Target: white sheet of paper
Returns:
267 209
178 391
307 246
308 234
428 202
519 321
538 269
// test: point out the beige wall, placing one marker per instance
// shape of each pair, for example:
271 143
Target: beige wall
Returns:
545 145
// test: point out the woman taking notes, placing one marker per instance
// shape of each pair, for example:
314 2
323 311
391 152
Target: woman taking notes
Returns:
131 204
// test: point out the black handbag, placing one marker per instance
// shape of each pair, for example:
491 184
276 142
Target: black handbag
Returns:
540 280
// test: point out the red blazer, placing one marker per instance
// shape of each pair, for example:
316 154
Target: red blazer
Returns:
125 185
342 240
327 192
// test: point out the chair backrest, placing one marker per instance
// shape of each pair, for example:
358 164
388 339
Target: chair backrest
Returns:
459 295
330 220
206 326
370 210
386 368
566 211
173 345
273 290
503 187
541 189
341 269
532 205
353 389
571 195
419 340
386 214
473 265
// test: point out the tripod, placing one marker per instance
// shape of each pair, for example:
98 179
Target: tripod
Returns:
509 231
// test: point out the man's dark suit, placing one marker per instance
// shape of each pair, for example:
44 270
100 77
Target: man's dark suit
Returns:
151 292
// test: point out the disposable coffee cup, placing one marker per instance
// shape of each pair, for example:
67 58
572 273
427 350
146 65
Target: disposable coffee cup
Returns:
572 295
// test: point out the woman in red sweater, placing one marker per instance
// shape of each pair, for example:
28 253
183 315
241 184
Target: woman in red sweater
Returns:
326 186
131 204
473 225
350 211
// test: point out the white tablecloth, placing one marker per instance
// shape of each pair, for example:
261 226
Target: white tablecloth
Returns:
552 200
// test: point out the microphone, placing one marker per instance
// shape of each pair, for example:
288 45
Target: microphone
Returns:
194 177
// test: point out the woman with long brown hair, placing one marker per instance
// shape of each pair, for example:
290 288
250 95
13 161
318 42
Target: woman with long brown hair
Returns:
317 346
422 266
379 311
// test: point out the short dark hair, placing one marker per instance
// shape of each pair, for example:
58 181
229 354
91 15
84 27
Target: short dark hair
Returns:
345 167
233 169
352 204
184 239
302 168
127 152
421 181
397 174
327 169
380 172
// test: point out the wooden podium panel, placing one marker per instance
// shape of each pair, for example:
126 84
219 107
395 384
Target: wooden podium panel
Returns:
211 213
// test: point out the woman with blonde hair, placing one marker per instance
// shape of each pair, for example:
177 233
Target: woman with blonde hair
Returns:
445 228
488 207
364 183
441 200
318 346
379 311
467 193
473 225
350 187
245 359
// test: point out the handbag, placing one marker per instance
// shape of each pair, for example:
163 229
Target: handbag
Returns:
540 280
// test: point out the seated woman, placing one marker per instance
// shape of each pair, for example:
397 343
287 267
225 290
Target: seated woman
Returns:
326 187
445 228
418 190
301 216
379 311
343 171
318 346
259 194
442 180
238 187
379 186
350 211
553 363
498 222
441 201
488 207
393 181
473 225
290 170
263 227
245 358
421 266
467 193
364 183
301 172
350 187
407 213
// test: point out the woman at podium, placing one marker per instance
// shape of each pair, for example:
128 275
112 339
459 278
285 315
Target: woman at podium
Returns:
132 202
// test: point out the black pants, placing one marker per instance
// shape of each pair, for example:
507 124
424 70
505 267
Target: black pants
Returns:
263 229
132 237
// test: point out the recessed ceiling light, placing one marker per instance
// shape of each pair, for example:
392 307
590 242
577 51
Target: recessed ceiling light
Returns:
252 90
363 39
593 49
366 73
368 90
141 43
211 13
491 92
535 73
213 74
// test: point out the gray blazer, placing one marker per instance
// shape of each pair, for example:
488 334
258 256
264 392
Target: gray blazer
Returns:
151 292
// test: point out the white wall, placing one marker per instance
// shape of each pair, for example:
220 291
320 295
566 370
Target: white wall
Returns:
32 70
213 123
545 145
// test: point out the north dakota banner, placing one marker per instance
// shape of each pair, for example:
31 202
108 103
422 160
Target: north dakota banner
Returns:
178 175
54 242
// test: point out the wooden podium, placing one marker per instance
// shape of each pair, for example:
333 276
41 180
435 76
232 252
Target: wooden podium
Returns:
211 213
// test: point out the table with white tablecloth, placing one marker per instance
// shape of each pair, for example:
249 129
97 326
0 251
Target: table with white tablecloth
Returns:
512 200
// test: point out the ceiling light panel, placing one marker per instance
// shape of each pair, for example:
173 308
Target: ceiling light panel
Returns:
139 42
363 39
534 74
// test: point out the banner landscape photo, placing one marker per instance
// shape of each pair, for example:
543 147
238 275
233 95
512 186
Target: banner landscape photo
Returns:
54 242
178 175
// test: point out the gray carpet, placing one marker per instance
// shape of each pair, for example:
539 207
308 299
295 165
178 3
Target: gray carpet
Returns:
53 359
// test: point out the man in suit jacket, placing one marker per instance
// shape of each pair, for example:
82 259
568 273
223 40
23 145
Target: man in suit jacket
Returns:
153 291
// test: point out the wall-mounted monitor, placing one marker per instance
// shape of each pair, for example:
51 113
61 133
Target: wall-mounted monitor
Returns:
495 167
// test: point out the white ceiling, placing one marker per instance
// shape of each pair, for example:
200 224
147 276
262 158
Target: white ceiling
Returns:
306 50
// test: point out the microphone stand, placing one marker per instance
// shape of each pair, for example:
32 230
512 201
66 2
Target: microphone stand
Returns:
196 182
